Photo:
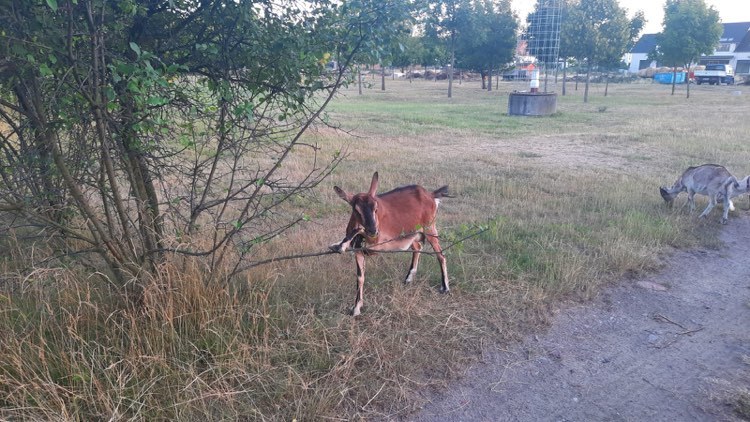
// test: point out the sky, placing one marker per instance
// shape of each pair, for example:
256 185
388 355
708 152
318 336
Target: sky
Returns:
729 10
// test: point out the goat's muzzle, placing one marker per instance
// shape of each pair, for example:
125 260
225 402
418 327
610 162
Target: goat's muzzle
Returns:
668 198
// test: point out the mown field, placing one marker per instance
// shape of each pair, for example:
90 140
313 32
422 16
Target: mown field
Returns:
568 204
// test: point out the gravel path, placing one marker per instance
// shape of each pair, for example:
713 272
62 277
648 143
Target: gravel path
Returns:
674 346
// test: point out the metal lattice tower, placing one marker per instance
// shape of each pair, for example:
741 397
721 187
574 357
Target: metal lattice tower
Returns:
543 35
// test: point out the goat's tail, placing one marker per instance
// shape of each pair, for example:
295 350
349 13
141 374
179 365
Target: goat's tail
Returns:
441 192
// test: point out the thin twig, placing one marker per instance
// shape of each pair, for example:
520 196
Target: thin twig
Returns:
329 252
691 331
662 317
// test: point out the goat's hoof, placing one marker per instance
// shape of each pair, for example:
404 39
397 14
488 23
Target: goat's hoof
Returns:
445 291
336 247
354 312
723 221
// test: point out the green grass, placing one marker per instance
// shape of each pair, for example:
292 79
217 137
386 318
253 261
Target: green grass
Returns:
569 203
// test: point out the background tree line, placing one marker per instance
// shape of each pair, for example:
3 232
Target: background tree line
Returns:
142 128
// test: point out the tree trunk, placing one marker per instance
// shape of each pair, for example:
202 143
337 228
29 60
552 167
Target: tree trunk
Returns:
687 79
489 79
453 61
557 65
359 79
483 76
565 76
382 78
674 78
606 84
588 78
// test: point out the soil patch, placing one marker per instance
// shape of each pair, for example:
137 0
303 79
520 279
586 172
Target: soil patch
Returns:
671 346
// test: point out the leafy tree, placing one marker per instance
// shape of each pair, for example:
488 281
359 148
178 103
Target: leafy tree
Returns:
435 51
141 128
486 36
691 29
394 52
596 32
444 21
568 43
408 51
613 60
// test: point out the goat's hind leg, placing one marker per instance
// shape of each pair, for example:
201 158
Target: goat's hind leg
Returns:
691 201
710 206
432 238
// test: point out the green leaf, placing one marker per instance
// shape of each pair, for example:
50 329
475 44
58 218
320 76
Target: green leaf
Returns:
44 70
134 47
125 69
157 101
109 93
52 5
133 87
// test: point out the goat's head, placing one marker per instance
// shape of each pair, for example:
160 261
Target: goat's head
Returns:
364 207
668 197
743 186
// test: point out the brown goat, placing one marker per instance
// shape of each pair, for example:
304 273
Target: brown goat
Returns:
398 220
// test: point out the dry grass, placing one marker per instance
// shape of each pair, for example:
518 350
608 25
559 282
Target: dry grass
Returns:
570 202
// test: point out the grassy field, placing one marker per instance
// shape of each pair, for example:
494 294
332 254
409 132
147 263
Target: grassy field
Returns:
569 202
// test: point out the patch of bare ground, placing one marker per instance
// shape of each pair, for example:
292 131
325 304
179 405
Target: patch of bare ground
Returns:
572 151
671 346
610 152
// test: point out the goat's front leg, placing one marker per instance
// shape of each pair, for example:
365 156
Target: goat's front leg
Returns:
359 257
342 246
727 206
417 246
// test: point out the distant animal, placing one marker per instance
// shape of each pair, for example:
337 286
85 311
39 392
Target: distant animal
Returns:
712 180
401 219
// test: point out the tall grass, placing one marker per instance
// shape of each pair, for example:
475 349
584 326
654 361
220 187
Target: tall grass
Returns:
569 203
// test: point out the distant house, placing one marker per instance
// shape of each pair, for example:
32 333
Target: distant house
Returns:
733 49
639 53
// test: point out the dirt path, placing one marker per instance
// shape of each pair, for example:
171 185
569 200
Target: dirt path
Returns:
674 346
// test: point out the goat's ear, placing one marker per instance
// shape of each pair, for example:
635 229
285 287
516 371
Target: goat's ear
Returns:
373 185
343 195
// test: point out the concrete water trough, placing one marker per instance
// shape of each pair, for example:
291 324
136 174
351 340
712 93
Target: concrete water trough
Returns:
532 103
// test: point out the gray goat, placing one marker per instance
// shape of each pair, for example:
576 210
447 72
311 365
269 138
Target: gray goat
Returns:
712 180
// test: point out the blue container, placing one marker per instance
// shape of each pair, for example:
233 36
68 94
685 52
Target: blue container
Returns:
666 78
